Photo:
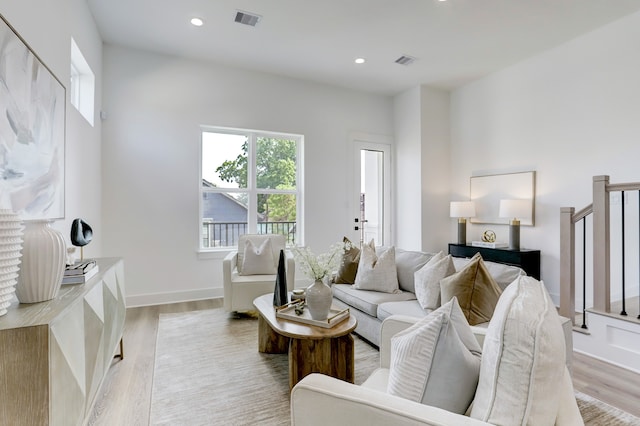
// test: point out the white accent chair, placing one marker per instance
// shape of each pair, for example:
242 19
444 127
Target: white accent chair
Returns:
322 400
241 290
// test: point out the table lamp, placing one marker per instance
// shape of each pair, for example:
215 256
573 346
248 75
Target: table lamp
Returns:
462 210
515 210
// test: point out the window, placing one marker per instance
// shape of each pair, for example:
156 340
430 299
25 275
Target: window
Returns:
82 84
249 184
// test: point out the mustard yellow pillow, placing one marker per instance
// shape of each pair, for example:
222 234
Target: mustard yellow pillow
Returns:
475 288
348 264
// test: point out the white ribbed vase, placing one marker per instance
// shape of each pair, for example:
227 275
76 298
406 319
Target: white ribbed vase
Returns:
43 262
319 297
10 254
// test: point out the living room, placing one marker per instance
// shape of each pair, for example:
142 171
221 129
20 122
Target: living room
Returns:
568 112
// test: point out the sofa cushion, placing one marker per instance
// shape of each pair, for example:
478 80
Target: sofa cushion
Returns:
501 273
407 307
427 280
436 361
348 263
523 359
476 290
367 301
377 272
258 260
407 263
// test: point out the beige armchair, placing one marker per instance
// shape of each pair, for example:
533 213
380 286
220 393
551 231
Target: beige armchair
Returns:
240 290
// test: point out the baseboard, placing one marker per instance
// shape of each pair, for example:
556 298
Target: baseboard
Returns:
173 297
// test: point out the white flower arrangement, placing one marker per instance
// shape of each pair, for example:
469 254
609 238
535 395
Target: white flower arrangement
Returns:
319 266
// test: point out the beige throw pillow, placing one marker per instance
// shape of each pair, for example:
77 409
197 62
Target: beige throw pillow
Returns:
377 273
258 260
523 360
348 264
436 361
476 290
427 280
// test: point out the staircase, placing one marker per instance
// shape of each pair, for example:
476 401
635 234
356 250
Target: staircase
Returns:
601 296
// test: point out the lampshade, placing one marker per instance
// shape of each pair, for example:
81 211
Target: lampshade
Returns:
462 209
515 209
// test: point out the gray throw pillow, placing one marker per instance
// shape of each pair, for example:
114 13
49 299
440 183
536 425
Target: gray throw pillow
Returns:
436 361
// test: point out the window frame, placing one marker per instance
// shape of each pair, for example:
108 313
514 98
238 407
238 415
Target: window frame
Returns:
251 190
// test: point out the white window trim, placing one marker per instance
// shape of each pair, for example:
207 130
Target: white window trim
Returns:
252 191
82 93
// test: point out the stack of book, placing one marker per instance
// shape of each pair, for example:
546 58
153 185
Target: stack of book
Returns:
488 245
80 272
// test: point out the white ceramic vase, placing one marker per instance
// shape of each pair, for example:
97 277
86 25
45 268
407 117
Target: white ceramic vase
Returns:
319 297
10 254
43 262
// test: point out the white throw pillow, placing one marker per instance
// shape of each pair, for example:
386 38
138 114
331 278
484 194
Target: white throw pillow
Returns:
523 359
377 273
427 280
258 261
436 361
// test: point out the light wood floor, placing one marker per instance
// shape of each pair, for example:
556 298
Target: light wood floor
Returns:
126 393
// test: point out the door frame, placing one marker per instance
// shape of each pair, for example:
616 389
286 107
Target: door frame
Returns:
382 144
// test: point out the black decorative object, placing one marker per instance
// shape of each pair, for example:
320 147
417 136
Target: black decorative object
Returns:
81 234
280 294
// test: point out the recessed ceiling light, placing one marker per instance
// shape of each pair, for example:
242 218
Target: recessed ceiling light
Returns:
360 61
197 22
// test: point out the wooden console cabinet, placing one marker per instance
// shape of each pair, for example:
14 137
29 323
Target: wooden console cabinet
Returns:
54 355
528 260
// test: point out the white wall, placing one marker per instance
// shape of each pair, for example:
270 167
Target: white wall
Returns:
436 187
47 26
569 114
407 184
421 195
155 105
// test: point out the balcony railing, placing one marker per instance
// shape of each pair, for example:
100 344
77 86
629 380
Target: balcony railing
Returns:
226 234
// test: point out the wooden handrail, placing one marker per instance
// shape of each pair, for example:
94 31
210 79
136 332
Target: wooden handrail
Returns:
601 251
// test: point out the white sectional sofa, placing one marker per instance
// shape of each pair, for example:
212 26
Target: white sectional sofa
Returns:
371 308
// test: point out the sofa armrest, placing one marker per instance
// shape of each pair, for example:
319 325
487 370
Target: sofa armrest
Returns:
228 264
351 404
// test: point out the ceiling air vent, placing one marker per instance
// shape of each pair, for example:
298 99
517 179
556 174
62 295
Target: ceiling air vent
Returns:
405 60
247 18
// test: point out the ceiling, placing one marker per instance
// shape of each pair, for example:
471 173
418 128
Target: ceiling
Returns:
454 41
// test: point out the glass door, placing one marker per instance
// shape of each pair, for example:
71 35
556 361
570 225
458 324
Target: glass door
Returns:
372 219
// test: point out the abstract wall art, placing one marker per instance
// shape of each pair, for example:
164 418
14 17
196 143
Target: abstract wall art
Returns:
32 131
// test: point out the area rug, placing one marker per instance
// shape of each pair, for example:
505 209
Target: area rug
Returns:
208 371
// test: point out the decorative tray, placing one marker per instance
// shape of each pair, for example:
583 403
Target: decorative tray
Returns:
288 312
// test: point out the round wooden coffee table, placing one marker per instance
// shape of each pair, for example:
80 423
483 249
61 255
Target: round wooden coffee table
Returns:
311 349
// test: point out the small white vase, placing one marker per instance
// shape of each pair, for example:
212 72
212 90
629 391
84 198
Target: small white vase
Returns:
43 262
319 297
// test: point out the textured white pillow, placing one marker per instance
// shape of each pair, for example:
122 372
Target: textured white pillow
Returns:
377 273
427 280
523 359
436 361
258 261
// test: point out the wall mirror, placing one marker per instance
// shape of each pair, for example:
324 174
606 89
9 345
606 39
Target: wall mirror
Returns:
487 191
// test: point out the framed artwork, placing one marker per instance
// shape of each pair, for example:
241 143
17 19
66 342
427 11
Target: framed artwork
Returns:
32 131
487 191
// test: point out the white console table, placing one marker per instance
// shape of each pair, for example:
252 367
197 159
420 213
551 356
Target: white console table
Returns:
54 355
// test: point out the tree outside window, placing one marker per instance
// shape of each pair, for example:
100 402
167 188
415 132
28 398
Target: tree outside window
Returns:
249 185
